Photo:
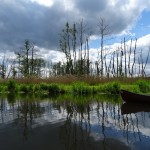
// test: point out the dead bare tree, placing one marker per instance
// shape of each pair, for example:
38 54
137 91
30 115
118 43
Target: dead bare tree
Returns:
129 62
125 58
104 30
134 58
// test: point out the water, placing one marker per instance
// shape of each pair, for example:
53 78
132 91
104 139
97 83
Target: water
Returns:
28 123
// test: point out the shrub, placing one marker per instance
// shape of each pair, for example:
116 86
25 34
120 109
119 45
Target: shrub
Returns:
81 88
23 88
44 87
31 88
2 88
53 88
36 88
11 86
144 86
112 88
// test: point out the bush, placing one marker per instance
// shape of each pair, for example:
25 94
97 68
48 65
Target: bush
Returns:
23 88
81 88
3 88
11 86
44 87
31 88
53 88
144 86
36 88
112 88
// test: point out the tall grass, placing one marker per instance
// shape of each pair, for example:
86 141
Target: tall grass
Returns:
44 86
53 89
144 86
11 86
81 88
76 85
24 88
69 79
112 88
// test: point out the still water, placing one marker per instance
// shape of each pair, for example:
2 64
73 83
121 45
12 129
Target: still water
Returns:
66 123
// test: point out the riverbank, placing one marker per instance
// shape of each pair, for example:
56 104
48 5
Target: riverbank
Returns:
75 85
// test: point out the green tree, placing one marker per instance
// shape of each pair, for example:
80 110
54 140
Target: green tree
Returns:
28 64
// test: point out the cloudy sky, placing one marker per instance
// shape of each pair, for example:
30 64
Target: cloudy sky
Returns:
42 20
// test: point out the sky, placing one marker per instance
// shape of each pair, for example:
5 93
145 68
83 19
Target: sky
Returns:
41 21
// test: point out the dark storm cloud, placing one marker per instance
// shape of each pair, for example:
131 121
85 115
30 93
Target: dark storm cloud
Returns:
90 6
23 19
20 20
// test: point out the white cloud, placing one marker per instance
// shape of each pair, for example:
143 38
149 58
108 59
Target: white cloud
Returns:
144 41
44 2
30 19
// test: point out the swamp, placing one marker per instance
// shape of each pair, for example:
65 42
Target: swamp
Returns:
71 119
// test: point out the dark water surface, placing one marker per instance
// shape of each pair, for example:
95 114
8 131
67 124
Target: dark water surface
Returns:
31 123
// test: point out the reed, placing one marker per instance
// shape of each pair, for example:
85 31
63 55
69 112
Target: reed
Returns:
69 79
75 85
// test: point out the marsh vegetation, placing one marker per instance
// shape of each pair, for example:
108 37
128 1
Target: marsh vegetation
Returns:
74 85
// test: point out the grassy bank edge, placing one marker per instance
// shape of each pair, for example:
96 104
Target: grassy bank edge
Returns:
81 87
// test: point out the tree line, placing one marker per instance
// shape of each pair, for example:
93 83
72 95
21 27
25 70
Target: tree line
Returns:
125 61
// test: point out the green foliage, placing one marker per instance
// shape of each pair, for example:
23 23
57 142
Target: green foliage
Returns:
24 88
131 87
81 88
78 87
44 87
53 89
112 88
144 86
31 88
11 86
2 88
36 88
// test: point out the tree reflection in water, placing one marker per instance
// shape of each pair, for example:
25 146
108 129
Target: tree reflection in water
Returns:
87 124
29 109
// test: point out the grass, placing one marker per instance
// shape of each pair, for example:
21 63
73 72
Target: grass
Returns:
81 88
144 86
75 85
69 79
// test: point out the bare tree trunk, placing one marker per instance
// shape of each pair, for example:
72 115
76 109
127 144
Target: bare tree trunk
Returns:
113 65
125 62
139 67
129 63
106 68
27 48
120 66
117 64
104 31
88 59
32 60
132 72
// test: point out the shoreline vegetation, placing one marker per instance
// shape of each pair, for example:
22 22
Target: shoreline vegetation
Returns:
74 85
